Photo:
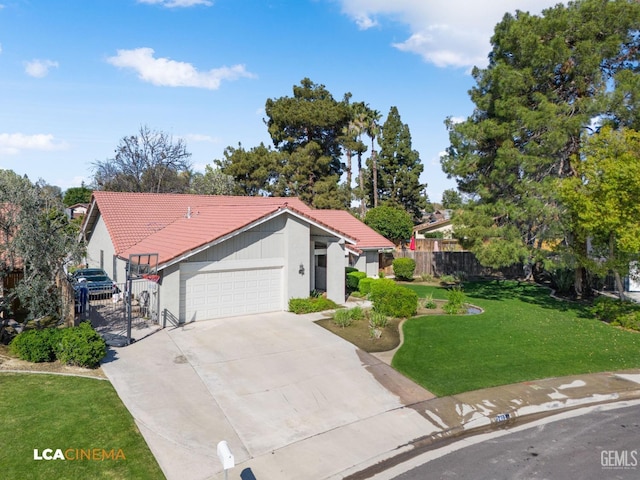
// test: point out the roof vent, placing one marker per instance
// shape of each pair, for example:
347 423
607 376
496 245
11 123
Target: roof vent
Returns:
188 212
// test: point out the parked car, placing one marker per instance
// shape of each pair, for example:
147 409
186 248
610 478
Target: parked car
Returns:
88 272
97 282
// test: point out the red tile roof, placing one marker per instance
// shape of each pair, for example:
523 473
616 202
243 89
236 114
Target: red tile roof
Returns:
176 224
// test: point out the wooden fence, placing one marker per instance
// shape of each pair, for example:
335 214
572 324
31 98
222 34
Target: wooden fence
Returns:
462 263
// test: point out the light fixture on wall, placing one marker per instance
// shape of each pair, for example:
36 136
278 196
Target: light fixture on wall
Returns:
301 269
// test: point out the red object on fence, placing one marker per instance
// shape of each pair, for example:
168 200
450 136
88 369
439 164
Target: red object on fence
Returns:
412 243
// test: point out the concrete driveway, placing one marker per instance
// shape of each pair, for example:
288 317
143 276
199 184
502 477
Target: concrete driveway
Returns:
291 399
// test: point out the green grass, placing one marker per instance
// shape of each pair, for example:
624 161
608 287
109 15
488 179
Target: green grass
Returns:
62 412
524 334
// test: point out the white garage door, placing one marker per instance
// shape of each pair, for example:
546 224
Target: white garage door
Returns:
209 295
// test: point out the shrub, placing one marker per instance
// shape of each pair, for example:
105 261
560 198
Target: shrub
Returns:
36 345
365 285
342 318
310 305
353 279
455 301
81 346
393 300
610 309
629 320
403 268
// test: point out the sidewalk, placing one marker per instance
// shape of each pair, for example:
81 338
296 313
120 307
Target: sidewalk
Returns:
381 442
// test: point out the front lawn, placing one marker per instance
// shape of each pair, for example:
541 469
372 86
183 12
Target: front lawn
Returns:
523 334
83 417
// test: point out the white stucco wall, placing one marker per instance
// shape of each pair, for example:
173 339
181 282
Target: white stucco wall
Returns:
297 252
335 272
100 242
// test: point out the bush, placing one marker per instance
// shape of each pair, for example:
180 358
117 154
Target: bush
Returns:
310 305
455 301
36 345
353 279
342 318
629 320
393 300
403 268
364 285
81 346
610 309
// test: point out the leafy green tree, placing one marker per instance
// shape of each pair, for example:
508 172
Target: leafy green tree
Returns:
399 168
603 201
308 127
150 161
75 195
38 238
548 77
392 223
212 182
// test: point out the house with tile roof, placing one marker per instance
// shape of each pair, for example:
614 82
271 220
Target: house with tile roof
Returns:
222 256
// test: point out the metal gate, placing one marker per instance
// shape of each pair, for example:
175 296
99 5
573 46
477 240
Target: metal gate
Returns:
109 316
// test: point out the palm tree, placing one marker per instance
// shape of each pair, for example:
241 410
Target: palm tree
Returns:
372 129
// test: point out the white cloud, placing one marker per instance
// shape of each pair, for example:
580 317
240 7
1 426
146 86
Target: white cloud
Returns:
170 73
177 3
39 68
455 33
14 143
198 137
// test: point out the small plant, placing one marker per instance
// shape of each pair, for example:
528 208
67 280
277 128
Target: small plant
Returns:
342 318
378 320
315 293
381 274
426 277
455 301
374 332
448 279
429 302
403 268
356 313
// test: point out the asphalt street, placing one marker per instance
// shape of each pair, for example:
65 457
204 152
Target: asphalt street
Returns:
600 445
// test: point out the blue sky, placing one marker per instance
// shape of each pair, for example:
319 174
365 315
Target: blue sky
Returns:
78 75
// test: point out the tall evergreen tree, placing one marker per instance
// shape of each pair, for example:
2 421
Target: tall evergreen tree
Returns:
548 77
399 168
308 128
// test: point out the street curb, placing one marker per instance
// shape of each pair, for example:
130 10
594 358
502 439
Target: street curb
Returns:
404 453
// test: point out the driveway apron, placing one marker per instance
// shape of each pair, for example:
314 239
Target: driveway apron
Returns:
262 383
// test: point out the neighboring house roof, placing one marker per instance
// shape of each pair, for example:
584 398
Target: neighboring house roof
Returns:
367 238
431 226
175 225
